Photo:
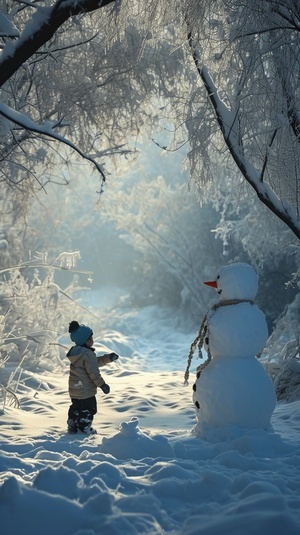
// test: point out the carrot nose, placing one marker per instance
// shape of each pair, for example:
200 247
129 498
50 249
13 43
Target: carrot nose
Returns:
211 283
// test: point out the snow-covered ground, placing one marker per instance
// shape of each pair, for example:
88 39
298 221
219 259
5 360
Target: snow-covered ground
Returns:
144 472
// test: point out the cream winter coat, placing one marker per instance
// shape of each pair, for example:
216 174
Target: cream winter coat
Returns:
84 372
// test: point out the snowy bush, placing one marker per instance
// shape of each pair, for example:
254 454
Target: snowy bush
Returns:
34 312
281 356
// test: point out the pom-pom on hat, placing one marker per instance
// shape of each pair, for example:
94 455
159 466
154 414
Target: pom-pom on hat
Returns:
79 334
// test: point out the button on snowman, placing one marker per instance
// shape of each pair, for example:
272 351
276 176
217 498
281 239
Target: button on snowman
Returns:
232 387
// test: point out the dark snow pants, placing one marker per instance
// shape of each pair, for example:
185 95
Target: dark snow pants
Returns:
82 411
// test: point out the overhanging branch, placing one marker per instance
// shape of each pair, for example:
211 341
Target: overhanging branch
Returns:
46 129
229 125
37 32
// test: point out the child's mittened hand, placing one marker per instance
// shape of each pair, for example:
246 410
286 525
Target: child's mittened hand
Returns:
113 356
105 388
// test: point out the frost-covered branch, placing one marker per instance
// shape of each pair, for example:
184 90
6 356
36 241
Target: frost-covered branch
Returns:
39 30
46 129
229 126
21 46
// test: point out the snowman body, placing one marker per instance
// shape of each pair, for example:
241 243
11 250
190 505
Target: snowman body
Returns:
234 388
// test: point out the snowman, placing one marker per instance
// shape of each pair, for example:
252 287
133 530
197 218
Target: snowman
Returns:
232 387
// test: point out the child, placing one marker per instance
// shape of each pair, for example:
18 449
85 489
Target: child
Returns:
84 378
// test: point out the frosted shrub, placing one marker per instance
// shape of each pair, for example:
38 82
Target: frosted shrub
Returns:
33 315
281 356
29 312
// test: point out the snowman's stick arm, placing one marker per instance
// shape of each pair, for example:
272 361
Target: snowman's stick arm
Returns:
197 342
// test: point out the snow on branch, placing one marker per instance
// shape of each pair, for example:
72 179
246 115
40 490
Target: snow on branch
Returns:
228 121
7 27
39 30
46 129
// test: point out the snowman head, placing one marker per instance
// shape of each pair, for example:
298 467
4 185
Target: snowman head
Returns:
236 281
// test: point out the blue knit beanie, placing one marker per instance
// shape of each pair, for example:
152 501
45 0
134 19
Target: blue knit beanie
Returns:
79 334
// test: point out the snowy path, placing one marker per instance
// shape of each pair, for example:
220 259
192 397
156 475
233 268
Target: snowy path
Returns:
144 473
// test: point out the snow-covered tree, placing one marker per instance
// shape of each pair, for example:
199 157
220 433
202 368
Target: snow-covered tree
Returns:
49 89
246 56
211 73
239 50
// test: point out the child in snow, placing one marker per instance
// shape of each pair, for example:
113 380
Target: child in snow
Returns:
84 378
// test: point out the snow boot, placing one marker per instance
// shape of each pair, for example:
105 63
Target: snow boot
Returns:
72 427
89 430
